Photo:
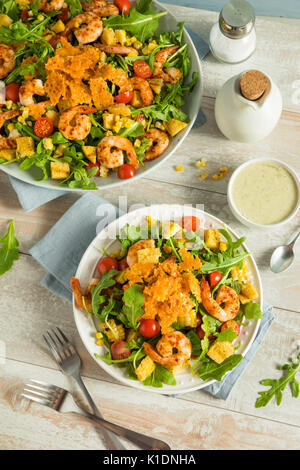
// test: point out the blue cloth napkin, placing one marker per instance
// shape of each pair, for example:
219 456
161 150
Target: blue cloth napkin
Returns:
60 251
31 197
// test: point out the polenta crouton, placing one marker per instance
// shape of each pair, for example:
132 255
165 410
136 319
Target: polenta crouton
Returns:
174 126
148 255
137 101
212 238
220 350
8 154
122 277
90 152
108 37
223 246
145 368
59 170
247 293
25 147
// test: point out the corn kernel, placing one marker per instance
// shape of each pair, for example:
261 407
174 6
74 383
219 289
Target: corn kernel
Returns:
203 176
137 143
104 172
223 170
10 127
40 17
216 176
179 168
47 143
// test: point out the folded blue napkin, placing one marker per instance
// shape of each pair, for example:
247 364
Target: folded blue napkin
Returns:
31 197
60 251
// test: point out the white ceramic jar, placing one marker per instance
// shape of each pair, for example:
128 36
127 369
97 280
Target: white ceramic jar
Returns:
233 38
248 107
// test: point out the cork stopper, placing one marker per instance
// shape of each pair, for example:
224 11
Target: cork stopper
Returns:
254 84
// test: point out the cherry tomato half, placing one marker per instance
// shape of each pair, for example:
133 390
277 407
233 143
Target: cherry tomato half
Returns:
123 5
12 92
126 171
119 350
149 328
24 16
231 324
214 278
191 223
106 264
142 69
43 127
93 165
125 97
123 264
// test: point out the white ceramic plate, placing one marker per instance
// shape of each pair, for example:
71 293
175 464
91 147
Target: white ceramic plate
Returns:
191 108
87 269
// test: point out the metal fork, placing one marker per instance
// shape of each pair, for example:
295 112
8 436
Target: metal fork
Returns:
69 362
63 401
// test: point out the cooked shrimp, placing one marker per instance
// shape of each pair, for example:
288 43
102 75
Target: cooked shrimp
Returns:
73 124
87 27
116 76
165 354
159 142
8 115
7 61
122 50
51 5
133 250
110 151
171 74
144 88
81 301
226 295
101 8
30 88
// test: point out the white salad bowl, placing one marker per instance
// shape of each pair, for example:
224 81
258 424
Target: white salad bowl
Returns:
191 108
87 324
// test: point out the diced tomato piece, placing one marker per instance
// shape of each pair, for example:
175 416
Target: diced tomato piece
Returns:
24 16
43 127
191 223
142 69
141 117
65 15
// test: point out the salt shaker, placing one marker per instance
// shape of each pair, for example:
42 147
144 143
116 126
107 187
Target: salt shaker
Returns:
233 38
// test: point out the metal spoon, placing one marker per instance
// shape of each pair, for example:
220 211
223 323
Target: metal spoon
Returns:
283 256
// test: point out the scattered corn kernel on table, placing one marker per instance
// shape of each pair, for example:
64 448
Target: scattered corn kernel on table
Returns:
195 420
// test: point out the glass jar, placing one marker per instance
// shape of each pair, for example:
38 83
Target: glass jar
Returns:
233 38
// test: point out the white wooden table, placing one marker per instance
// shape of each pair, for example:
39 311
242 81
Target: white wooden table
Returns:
195 420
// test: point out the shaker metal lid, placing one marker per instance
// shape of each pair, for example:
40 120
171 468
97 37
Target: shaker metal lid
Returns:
237 19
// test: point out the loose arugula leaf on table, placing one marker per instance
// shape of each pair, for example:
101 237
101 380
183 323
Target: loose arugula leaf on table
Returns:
8 252
160 376
141 25
277 386
133 306
212 370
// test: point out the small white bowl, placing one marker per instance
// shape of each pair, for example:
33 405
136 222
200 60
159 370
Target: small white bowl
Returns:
250 223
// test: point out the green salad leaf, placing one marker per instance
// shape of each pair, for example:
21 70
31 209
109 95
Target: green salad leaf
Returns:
105 282
251 310
277 386
229 334
10 8
212 370
8 252
160 376
133 302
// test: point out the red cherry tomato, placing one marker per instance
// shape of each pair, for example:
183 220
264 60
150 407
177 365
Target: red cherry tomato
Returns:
142 69
191 223
106 264
231 324
12 92
119 350
125 97
123 5
93 165
199 319
149 328
123 264
24 16
43 127
214 278
126 171
65 15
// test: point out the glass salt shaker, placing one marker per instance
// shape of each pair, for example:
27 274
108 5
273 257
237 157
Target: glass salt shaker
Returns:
233 38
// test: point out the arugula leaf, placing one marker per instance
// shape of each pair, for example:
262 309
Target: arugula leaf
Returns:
222 261
212 370
141 25
105 282
9 252
251 310
137 130
195 342
10 8
132 309
160 376
229 334
75 7
143 5
278 385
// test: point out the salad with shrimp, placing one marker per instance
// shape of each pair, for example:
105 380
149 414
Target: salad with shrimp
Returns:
90 88
172 299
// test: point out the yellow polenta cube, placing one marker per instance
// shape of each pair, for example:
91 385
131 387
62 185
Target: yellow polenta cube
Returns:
58 27
145 368
248 291
108 120
8 154
174 126
220 350
148 255
122 277
90 152
212 238
25 147
223 246
137 101
108 37
59 170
